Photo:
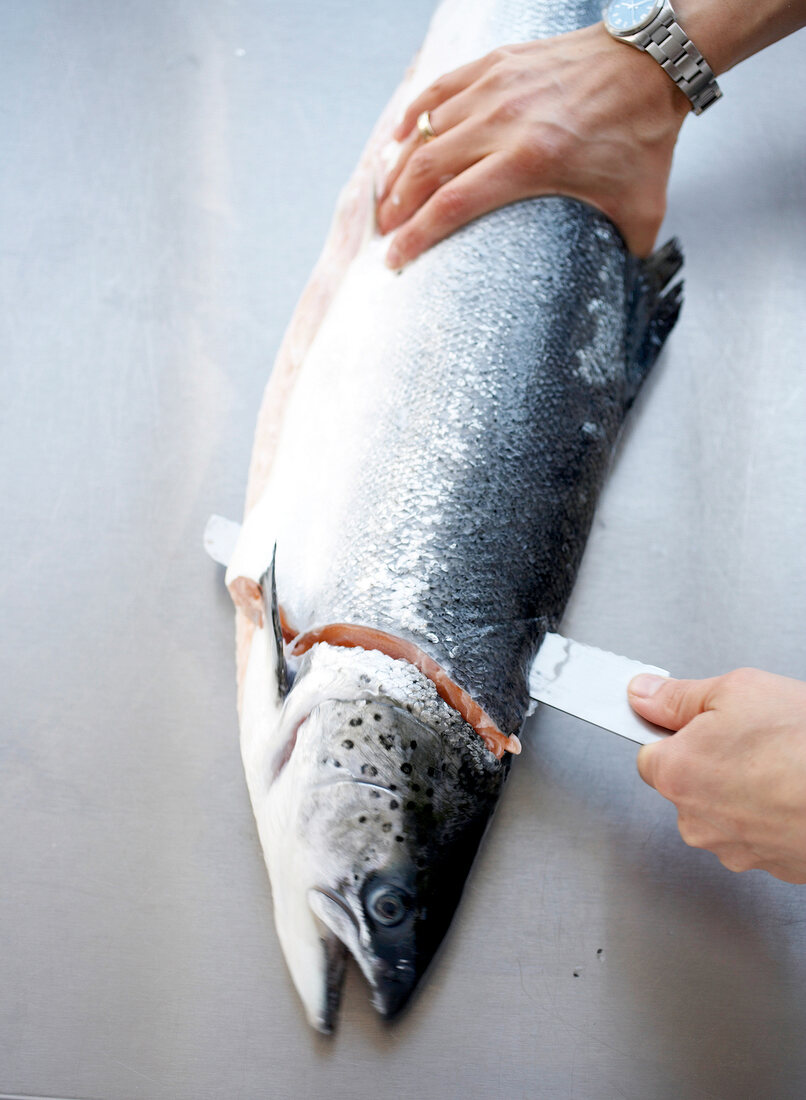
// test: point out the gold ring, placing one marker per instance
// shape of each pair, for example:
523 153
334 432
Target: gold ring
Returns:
424 127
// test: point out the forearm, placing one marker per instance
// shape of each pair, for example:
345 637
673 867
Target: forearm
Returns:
729 31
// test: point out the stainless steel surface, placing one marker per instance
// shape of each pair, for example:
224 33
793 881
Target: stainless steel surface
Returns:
169 173
591 684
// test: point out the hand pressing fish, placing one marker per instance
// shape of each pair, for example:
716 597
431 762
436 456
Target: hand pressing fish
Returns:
427 461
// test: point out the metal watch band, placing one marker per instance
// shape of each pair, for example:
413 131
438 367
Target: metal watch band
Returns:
677 55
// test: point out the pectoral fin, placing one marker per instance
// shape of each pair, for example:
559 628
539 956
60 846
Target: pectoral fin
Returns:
271 611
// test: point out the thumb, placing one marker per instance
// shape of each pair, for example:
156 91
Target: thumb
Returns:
669 703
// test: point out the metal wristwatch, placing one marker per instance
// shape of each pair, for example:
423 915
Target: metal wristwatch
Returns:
651 26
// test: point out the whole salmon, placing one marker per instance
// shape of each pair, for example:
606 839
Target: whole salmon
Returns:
427 462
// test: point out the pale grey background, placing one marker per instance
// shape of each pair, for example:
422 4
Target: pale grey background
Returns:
169 172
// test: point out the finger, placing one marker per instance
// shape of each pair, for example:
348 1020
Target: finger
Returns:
736 857
442 89
668 766
414 141
447 117
669 703
483 187
647 763
428 168
794 872
699 832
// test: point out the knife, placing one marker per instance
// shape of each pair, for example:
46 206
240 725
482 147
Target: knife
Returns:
591 684
578 679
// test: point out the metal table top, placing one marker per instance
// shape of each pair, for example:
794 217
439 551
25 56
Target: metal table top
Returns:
169 175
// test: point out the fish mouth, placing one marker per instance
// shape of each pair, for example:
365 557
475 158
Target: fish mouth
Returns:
393 989
392 981
336 953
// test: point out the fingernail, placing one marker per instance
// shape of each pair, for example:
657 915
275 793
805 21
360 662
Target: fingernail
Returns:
395 200
645 685
393 256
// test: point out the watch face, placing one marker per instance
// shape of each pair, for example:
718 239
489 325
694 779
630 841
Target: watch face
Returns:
625 16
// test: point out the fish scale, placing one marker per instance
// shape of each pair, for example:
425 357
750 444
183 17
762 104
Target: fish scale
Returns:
468 466
434 477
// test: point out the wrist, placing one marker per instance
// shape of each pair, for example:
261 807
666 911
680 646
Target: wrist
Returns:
644 82
653 28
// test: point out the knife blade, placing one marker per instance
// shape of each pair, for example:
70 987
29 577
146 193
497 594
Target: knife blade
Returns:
591 684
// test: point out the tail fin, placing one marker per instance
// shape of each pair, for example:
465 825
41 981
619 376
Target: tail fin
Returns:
652 311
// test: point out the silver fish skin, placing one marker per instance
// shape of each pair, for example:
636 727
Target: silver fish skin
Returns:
384 800
435 477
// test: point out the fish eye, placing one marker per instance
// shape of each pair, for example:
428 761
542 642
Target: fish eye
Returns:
387 906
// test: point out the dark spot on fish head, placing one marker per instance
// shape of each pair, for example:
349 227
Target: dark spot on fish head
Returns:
411 806
347 744
369 769
374 794
415 787
377 717
393 803
399 839
412 745
405 767
387 826
362 819
356 721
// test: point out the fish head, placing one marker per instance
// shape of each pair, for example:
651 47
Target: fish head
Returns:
382 803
